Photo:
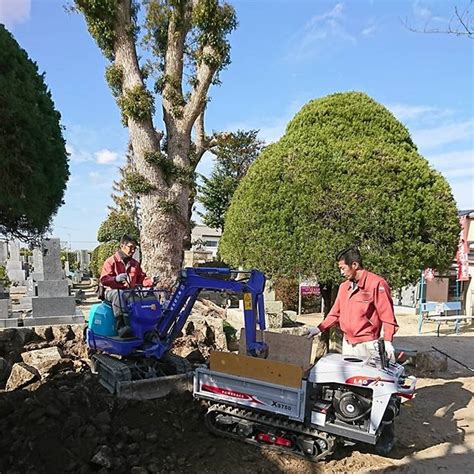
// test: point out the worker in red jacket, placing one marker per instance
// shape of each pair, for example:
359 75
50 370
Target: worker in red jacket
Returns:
121 271
363 309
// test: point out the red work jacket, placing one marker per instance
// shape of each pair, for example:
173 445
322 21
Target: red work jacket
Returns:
362 312
114 265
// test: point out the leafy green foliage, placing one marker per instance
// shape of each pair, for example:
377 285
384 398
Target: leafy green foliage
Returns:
33 157
171 172
234 155
100 255
4 280
115 226
71 257
345 173
100 18
136 103
206 26
137 183
114 78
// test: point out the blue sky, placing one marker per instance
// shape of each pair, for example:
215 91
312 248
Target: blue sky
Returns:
284 53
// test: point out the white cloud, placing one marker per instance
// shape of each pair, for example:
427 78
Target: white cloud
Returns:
454 160
409 112
421 11
77 156
105 156
13 12
369 31
430 138
321 29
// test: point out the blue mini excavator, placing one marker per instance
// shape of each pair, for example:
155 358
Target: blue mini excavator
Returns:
157 321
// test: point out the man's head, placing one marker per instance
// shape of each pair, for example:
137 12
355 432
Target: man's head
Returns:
350 264
128 245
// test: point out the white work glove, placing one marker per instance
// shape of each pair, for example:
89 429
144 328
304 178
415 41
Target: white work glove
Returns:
390 351
310 333
121 277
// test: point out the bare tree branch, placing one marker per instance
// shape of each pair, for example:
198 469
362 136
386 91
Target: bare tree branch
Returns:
460 24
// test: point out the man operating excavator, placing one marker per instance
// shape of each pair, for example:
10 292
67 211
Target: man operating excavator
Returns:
119 272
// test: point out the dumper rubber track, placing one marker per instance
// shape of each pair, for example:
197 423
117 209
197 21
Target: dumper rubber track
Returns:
254 422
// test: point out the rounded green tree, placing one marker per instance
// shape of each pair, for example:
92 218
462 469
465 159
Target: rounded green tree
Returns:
116 226
345 173
33 157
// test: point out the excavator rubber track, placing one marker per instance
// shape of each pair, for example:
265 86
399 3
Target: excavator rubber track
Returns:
268 430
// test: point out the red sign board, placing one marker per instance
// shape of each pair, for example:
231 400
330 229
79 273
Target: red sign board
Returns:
310 290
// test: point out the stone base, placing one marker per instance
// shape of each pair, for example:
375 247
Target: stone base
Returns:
53 320
8 323
4 309
26 301
273 307
47 307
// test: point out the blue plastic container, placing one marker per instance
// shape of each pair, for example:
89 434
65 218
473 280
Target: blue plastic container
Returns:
102 320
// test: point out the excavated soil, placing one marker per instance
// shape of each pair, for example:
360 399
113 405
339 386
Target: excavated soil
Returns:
70 423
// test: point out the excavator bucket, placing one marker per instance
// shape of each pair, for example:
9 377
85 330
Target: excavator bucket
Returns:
143 379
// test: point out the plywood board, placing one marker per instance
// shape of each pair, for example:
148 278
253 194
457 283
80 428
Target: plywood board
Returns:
283 347
254 368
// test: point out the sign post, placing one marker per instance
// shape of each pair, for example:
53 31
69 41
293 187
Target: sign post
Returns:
307 288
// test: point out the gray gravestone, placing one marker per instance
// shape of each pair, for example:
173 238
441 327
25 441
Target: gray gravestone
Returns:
84 260
51 258
3 253
14 268
37 264
53 305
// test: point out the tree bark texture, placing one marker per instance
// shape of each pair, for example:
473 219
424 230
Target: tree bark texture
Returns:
165 209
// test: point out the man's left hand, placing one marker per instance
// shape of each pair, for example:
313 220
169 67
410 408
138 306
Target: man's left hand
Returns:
390 351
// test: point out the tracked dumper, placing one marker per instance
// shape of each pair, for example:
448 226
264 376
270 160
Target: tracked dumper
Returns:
340 399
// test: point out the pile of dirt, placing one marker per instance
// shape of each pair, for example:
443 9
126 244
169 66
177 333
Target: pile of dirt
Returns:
71 424
65 421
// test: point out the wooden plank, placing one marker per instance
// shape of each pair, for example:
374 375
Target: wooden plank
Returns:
283 347
265 370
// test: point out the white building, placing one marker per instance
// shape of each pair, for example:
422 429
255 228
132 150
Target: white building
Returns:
204 238
205 242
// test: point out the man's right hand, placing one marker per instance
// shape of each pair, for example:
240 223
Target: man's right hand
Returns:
121 277
312 332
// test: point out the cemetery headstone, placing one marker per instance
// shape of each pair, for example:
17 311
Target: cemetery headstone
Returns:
3 253
53 305
14 267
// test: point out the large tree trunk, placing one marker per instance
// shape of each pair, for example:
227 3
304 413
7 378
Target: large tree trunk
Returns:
165 207
166 204
164 230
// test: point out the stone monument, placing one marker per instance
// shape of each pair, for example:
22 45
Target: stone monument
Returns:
14 267
3 253
52 305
